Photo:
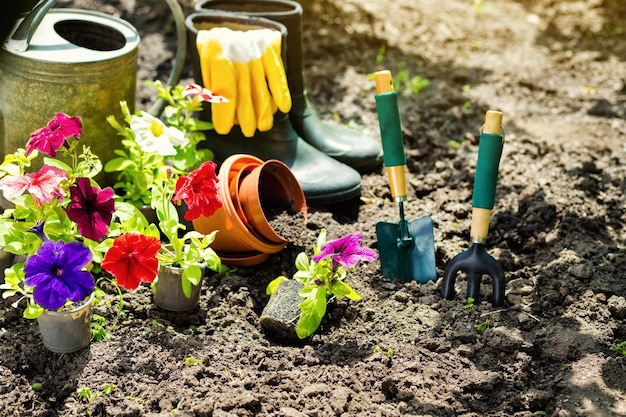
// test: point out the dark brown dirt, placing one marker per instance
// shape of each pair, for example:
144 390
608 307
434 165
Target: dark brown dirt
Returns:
556 70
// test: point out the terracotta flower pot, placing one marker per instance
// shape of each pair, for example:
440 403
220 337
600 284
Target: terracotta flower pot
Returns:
66 331
238 242
268 189
169 293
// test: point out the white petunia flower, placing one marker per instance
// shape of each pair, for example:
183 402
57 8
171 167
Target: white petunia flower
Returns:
153 135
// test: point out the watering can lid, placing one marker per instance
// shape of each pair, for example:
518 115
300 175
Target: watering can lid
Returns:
48 45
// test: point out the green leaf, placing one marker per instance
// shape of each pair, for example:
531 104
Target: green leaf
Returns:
313 310
302 262
191 276
118 164
341 289
33 311
271 287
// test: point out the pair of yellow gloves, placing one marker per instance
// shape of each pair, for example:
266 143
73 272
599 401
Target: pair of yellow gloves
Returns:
246 68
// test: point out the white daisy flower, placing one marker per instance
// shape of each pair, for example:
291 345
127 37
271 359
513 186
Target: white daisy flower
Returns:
153 135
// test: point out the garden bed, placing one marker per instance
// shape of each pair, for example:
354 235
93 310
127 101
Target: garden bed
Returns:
556 71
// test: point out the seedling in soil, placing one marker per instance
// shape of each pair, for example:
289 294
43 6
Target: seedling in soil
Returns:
189 361
98 332
621 348
86 395
484 325
469 304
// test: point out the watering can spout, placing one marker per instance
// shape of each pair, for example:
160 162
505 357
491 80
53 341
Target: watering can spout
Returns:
20 40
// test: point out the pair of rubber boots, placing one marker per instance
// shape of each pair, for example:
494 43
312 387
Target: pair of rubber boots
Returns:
325 159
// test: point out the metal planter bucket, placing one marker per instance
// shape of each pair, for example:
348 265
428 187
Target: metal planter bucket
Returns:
67 331
78 62
169 291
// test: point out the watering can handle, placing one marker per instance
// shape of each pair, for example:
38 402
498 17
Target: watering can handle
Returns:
489 153
391 134
20 41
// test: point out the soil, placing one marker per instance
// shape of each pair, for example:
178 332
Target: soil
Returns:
556 70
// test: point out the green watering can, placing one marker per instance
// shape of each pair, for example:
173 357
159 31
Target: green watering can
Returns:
78 62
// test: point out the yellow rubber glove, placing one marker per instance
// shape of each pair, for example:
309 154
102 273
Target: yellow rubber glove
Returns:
246 68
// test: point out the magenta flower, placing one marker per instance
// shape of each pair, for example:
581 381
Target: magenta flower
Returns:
43 185
56 272
346 251
51 137
91 209
203 94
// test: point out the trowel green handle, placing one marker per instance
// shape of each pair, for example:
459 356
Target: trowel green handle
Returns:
489 153
394 156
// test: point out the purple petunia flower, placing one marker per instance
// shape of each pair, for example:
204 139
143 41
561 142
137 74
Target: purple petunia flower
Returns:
346 251
56 273
91 209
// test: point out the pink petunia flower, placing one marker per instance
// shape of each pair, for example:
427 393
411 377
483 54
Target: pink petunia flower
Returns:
51 137
43 185
203 94
91 209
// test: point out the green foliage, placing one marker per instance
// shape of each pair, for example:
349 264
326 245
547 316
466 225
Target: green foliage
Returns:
621 348
484 325
321 280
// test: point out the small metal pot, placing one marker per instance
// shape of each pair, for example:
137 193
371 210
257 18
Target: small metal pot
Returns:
66 331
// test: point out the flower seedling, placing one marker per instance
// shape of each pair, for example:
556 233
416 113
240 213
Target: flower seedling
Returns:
60 217
323 277
152 146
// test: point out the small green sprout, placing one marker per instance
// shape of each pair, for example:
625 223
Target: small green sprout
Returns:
469 304
484 325
189 361
621 348
84 394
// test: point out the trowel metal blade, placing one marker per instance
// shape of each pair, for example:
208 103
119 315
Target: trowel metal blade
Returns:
414 262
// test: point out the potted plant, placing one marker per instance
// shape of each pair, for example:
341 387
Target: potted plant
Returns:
153 146
177 258
297 306
58 223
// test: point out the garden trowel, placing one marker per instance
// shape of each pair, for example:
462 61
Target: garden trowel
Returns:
406 248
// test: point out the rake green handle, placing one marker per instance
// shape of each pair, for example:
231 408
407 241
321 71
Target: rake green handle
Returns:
489 153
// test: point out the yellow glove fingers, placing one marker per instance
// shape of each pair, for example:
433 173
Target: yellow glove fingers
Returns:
223 83
203 54
220 79
275 73
245 106
263 102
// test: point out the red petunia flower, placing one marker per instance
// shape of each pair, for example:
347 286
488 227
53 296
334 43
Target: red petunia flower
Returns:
199 191
91 209
50 138
132 259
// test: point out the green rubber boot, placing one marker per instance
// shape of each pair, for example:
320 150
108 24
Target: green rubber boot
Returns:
345 145
323 179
